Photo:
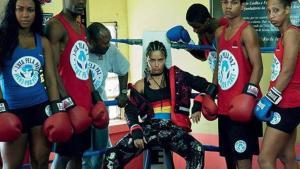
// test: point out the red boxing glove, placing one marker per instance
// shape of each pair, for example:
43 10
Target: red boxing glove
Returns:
58 126
209 108
79 116
11 126
241 107
199 98
100 114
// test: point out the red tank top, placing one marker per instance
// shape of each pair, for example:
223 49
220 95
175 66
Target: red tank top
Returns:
234 70
73 66
291 94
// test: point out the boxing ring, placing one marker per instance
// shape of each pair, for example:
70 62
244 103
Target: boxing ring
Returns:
175 45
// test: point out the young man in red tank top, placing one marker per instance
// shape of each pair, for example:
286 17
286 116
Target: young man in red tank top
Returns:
70 50
280 108
237 75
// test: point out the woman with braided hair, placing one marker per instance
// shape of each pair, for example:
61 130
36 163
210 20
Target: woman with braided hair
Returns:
162 101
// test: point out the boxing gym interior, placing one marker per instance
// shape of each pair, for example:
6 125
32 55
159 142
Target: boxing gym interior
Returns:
144 20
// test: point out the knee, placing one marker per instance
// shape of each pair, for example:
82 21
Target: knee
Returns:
40 159
198 149
197 153
41 163
263 161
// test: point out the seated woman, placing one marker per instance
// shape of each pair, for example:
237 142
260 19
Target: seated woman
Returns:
162 101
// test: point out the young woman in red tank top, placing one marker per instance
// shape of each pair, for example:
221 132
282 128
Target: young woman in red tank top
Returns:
280 135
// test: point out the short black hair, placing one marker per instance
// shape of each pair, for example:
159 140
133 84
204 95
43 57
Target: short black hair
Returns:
96 30
242 1
197 13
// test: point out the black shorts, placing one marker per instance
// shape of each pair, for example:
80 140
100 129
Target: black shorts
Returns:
76 146
239 140
31 116
285 119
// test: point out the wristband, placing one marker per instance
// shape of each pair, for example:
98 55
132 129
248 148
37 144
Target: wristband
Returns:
68 102
3 106
274 95
124 91
251 89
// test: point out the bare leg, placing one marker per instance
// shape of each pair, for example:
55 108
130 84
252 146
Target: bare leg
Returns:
244 164
12 153
288 157
274 142
39 148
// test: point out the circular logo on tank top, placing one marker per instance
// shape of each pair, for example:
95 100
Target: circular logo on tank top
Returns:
275 68
212 60
97 74
25 71
240 146
79 58
228 70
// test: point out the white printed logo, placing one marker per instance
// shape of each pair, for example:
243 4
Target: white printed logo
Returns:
275 68
97 74
276 118
240 146
212 60
25 71
79 57
48 110
228 70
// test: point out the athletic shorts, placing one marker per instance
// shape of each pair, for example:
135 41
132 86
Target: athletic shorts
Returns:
31 116
285 119
239 140
76 146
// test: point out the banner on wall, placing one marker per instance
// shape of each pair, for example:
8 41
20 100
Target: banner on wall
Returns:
46 17
255 13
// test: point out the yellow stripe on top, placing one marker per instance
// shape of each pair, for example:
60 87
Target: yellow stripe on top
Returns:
163 106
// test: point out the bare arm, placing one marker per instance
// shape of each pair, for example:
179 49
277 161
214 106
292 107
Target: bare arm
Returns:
215 75
49 70
292 41
250 41
56 34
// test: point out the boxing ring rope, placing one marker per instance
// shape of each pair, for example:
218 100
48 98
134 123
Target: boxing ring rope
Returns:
183 45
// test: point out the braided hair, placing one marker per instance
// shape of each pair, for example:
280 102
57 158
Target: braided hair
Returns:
156 46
